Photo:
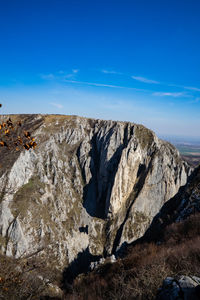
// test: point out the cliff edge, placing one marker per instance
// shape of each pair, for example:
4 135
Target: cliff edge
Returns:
89 185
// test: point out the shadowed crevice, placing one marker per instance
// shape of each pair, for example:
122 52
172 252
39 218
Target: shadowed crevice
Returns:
96 195
79 265
166 216
142 174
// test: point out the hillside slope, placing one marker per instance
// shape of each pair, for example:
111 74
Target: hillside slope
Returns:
90 186
164 264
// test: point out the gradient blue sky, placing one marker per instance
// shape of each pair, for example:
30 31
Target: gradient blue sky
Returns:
125 60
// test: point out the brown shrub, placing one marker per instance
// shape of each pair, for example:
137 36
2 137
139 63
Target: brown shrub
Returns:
23 279
140 274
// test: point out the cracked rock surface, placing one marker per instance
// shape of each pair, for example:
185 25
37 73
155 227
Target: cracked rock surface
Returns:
89 184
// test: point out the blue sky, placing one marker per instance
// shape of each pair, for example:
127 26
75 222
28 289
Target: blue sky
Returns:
123 60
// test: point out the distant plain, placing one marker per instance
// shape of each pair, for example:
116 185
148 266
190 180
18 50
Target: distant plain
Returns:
189 148
189 152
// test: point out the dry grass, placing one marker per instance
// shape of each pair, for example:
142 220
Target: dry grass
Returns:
137 276
23 278
140 274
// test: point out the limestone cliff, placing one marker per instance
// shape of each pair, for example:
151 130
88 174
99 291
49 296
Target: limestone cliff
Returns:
89 184
184 204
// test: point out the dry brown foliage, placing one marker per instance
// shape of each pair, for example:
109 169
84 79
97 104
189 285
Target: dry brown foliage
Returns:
13 137
24 278
140 274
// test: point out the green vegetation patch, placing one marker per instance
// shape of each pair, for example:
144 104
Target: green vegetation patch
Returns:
144 135
2 241
134 225
54 122
98 240
26 196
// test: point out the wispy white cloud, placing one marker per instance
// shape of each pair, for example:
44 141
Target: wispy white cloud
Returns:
49 76
145 80
164 94
105 85
150 81
72 75
111 72
191 88
57 105
95 84
75 71
60 75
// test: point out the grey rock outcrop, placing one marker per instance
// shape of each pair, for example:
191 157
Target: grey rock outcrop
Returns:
184 204
89 184
184 287
190 198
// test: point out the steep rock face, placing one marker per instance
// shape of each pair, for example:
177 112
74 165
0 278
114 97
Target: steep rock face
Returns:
89 184
190 197
185 203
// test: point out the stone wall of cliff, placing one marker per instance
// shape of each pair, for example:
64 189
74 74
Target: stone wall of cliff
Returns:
89 185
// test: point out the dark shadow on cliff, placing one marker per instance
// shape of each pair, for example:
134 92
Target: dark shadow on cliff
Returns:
141 175
96 195
166 216
84 229
170 211
175 291
79 265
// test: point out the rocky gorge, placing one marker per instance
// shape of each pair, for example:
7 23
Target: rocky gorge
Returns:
88 189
